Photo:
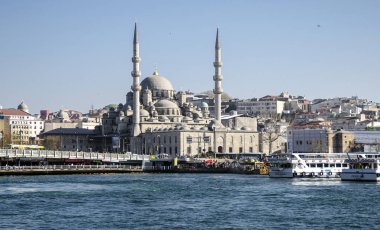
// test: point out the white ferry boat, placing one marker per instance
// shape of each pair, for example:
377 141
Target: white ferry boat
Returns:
324 165
362 167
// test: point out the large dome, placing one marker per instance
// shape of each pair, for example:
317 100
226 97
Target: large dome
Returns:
156 82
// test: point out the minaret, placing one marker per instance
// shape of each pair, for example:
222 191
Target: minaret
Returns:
136 88
218 80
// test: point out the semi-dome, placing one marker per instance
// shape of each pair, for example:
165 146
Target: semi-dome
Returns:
144 113
166 104
156 82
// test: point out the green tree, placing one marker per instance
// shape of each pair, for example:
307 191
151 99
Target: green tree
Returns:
210 93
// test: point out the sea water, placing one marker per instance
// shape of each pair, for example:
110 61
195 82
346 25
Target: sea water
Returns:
185 201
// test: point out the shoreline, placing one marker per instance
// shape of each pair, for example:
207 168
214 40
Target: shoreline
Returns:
71 171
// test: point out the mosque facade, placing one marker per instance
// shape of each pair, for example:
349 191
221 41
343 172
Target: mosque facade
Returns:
156 119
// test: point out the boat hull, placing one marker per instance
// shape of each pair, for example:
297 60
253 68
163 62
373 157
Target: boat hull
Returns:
360 175
280 173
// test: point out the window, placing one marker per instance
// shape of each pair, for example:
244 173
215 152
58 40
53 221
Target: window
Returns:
251 149
230 149
240 149
189 150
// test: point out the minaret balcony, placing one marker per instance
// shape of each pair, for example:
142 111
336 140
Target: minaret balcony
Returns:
218 91
218 64
218 77
136 59
136 88
136 73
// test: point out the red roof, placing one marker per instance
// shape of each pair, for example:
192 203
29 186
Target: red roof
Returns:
13 112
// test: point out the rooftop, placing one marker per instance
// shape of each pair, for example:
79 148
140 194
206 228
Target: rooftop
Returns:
13 112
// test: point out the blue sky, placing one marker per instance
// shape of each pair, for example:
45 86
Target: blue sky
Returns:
77 53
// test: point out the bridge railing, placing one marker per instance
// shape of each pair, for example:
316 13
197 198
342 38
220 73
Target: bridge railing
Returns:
52 167
18 153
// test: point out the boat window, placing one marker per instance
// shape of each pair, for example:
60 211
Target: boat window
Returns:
319 165
326 165
344 165
312 165
339 165
332 165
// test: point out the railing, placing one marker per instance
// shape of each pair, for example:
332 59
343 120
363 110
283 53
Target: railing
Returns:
18 153
52 167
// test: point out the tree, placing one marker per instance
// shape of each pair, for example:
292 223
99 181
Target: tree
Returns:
271 133
211 95
110 106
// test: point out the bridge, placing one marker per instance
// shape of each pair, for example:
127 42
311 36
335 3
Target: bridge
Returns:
72 155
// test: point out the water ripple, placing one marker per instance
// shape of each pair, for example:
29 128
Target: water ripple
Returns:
184 201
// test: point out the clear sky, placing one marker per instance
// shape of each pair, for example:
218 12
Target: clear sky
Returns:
77 53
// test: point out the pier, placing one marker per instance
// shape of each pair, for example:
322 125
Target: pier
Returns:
67 169
48 154
42 162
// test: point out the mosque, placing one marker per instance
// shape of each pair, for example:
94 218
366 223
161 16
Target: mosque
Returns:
158 119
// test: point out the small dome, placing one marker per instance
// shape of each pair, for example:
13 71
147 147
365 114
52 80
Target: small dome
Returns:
163 118
144 113
204 105
166 104
186 119
185 127
204 128
156 82
23 107
246 128
233 113
121 114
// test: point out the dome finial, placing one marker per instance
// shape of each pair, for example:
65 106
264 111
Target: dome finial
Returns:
155 73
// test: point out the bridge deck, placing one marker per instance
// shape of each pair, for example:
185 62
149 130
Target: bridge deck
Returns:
110 157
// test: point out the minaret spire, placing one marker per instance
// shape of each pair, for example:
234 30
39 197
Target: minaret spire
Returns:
218 81
217 39
136 88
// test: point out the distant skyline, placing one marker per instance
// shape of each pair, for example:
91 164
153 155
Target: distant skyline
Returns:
77 53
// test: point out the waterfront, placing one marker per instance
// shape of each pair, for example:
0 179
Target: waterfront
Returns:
185 201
